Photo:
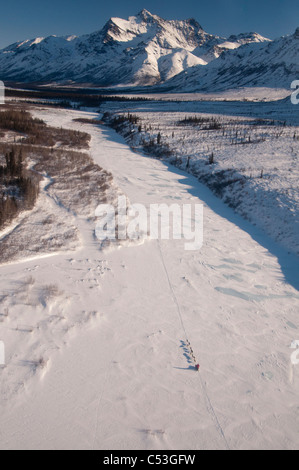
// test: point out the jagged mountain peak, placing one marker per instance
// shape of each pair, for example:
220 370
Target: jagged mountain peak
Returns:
146 15
193 22
248 37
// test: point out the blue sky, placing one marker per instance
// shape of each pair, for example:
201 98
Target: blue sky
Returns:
21 19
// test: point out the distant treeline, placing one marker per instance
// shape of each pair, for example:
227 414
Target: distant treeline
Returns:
19 121
66 97
19 187
38 133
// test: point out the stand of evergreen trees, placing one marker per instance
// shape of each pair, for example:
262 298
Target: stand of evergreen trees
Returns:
17 190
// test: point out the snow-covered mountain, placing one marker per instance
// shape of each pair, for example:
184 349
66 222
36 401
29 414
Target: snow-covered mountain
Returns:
267 64
143 50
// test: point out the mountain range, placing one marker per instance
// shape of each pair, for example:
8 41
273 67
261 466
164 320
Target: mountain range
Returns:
147 50
272 64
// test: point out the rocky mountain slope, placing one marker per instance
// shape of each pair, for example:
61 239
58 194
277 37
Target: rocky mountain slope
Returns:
273 64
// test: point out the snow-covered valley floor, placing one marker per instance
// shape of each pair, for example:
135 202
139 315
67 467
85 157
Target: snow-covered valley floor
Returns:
96 353
248 162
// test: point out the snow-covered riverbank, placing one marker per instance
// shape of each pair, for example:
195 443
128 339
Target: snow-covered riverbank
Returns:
250 162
